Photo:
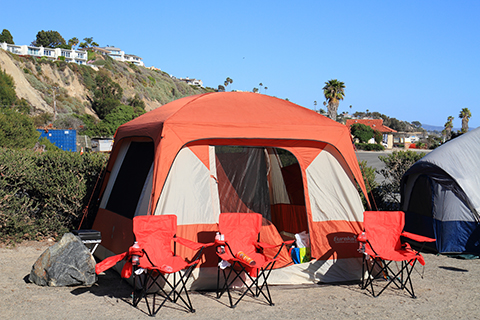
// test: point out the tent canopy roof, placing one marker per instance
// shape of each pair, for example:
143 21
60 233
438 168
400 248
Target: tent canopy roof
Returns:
240 110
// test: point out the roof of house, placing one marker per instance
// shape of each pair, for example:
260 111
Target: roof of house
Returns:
375 124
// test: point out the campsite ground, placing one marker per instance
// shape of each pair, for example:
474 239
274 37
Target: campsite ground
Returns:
449 290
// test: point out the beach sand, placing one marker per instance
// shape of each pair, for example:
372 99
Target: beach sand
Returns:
449 289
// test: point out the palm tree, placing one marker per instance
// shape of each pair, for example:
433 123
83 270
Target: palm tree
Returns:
88 42
334 91
448 127
227 82
465 115
73 42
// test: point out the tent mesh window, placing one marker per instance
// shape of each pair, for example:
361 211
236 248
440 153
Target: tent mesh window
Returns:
131 178
242 174
245 184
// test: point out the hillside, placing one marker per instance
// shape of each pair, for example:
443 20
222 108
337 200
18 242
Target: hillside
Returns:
36 80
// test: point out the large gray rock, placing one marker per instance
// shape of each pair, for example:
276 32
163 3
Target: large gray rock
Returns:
67 263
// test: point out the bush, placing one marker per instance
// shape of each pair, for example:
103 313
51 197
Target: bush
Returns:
43 194
368 174
369 146
396 164
16 130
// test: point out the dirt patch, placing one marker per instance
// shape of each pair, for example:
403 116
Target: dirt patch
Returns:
22 86
449 289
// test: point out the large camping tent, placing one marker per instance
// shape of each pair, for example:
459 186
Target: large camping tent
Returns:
238 152
441 198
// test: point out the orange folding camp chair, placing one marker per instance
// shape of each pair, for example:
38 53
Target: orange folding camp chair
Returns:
159 271
241 251
382 246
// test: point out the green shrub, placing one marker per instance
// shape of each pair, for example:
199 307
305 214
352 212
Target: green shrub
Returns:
43 194
91 55
369 146
396 164
16 130
368 174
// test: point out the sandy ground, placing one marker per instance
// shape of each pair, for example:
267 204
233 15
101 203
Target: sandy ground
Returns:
450 289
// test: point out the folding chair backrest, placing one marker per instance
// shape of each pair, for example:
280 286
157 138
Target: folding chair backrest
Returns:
383 229
154 234
240 230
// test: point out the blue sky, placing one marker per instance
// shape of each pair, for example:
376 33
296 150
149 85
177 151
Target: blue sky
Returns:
412 60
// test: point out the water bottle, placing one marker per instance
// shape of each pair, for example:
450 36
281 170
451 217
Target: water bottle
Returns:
219 237
362 239
135 258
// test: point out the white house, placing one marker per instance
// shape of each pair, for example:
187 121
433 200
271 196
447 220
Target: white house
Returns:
194 82
119 55
77 56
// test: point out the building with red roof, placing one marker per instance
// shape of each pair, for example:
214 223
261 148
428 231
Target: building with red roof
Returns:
376 124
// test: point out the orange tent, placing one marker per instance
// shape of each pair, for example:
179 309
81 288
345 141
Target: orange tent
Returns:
238 152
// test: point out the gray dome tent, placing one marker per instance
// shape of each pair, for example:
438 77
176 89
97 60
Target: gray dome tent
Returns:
441 195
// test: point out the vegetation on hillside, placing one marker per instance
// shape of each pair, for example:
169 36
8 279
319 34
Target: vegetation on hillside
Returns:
108 90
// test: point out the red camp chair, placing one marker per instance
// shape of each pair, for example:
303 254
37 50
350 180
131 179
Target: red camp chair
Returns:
382 246
240 232
159 270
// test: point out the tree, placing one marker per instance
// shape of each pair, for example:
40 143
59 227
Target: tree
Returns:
362 132
73 42
378 136
49 39
334 91
221 88
106 96
88 42
227 82
6 36
8 97
417 124
255 90
448 127
465 115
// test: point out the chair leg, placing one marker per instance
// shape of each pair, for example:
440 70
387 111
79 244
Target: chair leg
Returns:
168 292
400 278
260 287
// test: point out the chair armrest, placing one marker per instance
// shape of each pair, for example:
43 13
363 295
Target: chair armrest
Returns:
263 245
191 244
109 262
417 237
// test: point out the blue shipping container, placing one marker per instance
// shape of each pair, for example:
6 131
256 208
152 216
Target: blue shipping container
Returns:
64 139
